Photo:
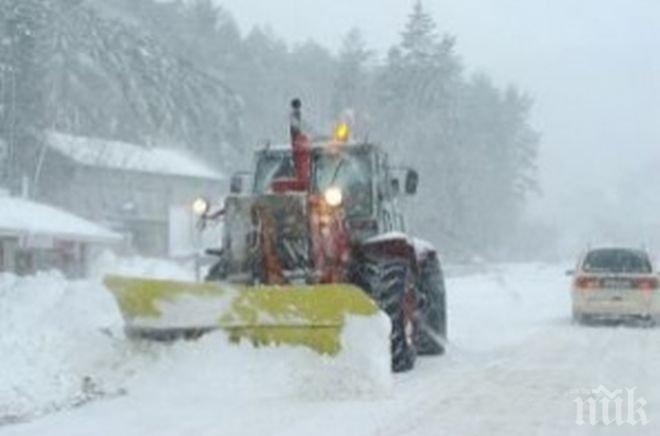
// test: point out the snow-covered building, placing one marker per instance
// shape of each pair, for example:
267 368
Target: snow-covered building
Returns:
34 236
131 189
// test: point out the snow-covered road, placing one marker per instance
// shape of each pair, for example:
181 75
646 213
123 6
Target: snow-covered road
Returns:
515 366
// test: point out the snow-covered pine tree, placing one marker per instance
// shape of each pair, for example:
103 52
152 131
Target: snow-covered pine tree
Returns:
89 70
23 24
470 140
417 95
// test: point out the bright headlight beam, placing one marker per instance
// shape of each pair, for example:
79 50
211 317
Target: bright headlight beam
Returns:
333 196
200 207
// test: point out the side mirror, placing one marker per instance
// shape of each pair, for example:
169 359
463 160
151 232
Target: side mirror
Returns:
570 273
395 186
412 181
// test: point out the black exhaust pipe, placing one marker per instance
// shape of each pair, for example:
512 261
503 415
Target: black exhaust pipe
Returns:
296 119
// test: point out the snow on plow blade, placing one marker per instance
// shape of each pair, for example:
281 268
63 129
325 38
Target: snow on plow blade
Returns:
312 316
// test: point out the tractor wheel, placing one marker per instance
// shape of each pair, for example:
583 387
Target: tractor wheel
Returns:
390 283
432 332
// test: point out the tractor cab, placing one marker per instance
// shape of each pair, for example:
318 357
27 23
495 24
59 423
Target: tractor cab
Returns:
353 176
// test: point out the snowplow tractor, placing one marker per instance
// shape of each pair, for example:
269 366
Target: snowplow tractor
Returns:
318 238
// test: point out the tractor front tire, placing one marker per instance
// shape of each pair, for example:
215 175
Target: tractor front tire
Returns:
390 283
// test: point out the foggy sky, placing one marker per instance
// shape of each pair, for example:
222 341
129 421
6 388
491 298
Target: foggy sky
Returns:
592 67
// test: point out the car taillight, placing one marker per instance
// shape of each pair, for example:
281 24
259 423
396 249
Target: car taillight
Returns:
587 283
647 284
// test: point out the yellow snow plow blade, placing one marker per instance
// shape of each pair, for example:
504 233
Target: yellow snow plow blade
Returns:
311 316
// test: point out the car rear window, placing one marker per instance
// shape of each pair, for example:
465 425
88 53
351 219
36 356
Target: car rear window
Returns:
617 261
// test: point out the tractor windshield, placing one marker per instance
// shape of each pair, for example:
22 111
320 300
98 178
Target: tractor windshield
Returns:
349 171
272 165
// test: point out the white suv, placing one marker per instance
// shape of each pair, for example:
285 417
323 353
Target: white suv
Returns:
614 283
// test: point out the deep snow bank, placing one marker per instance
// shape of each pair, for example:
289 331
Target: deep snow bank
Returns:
55 343
62 345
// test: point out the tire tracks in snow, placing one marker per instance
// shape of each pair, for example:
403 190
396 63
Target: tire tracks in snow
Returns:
533 389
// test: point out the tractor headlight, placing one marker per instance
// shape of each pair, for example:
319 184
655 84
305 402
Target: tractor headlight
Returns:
333 196
200 207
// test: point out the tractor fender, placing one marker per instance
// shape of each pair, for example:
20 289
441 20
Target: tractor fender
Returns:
417 251
424 251
389 245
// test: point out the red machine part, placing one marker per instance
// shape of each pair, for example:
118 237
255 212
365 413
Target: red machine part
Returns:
302 156
330 241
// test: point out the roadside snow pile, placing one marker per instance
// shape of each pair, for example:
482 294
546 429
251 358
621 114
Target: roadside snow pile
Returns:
54 352
62 345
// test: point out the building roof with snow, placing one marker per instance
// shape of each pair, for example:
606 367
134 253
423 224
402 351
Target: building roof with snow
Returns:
21 217
130 157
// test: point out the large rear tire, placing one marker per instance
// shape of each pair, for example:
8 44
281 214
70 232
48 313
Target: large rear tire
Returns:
432 333
390 283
